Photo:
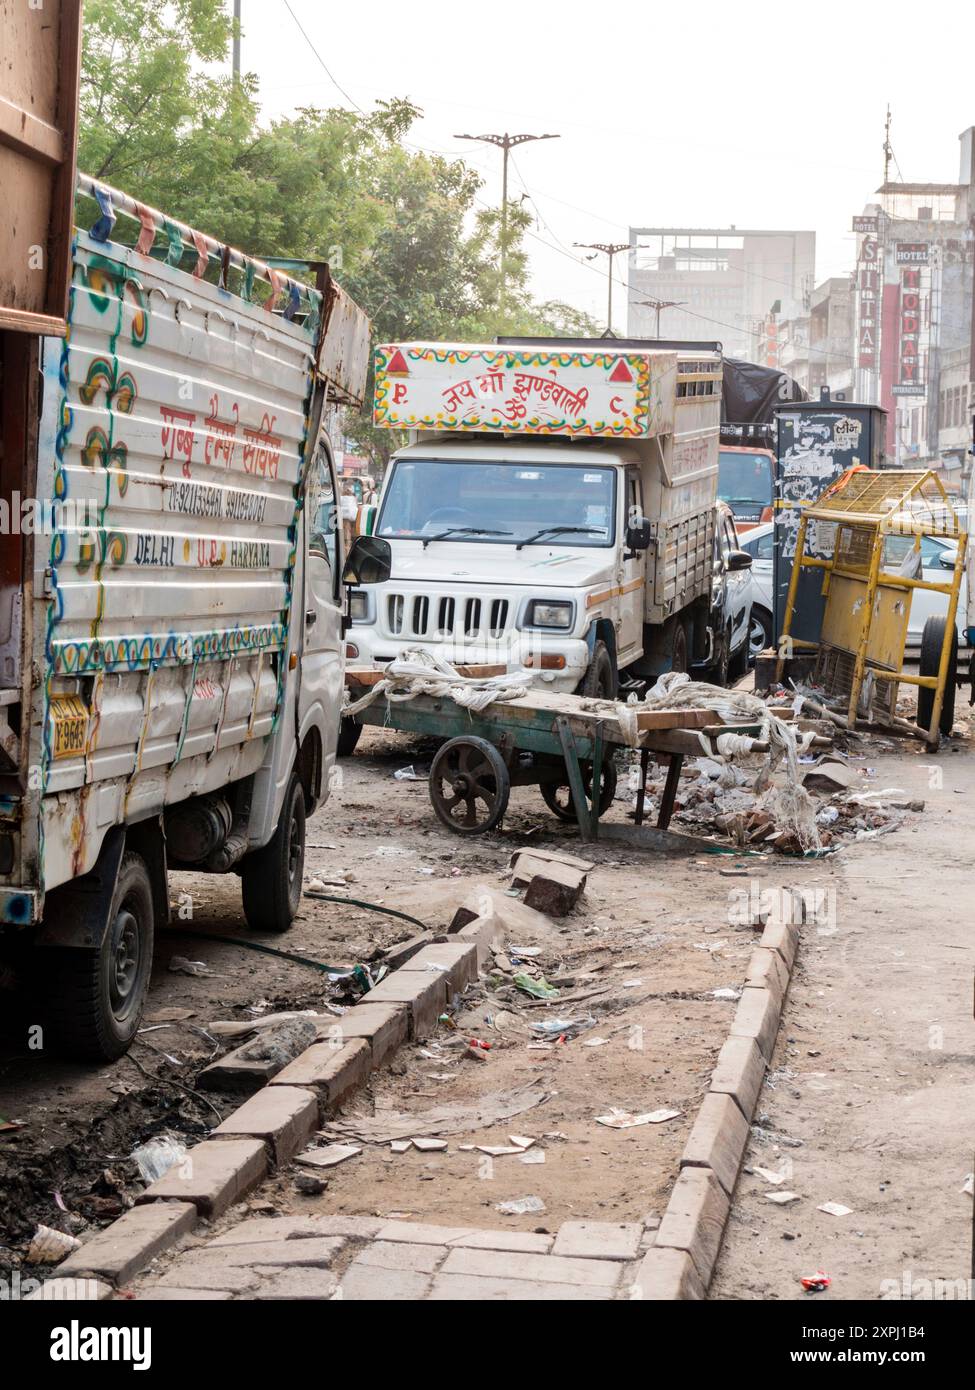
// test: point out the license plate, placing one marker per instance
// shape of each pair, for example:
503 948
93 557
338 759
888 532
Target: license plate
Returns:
69 717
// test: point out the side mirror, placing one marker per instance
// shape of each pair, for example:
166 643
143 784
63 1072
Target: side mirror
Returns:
947 559
739 560
369 561
638 536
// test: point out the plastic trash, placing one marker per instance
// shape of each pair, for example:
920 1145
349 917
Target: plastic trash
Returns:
49 1247
520 1206
538 989
181 966
407 774
155 1158
816 1283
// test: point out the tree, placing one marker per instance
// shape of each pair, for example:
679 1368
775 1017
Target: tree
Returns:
401 228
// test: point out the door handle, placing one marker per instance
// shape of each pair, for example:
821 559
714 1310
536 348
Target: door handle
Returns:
310 617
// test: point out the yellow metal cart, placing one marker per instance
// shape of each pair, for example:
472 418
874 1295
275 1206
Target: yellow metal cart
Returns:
868 583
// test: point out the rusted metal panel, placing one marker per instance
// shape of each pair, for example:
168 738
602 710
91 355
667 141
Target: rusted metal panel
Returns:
344 355
39 67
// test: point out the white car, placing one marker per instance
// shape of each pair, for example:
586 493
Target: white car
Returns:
759 543
937 561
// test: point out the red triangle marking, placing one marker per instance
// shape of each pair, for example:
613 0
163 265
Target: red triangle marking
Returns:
621 372
396 366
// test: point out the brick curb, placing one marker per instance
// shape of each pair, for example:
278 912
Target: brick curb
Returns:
680 1263
267 1130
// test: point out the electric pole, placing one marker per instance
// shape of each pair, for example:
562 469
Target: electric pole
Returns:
236 40
610 250
506 143
658 304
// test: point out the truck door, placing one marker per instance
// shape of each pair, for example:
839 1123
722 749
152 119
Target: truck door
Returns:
632 573
322 665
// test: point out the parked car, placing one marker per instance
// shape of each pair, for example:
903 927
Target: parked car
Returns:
759 543
938 554
731 602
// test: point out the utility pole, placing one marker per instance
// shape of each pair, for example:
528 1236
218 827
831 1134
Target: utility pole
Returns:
236 40
506 143
610 250
658 304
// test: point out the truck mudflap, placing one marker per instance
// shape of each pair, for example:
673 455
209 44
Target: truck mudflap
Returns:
76 913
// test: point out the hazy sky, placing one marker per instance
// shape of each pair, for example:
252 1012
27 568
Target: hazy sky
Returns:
756 114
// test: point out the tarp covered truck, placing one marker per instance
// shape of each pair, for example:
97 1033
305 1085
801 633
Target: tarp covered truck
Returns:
171 652
555 510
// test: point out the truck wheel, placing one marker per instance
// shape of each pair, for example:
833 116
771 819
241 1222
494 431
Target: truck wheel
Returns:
271 877
932 640
558 795
349 734
678 647
600 681
95 998
469 785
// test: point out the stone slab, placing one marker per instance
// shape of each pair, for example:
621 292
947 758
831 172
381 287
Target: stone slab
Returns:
385 1027
128 1244
599 1240
717 1139
757 1017
284 1116
215 1174
695 1219
424 992
739 1072
543 1269
334 1072
668 1276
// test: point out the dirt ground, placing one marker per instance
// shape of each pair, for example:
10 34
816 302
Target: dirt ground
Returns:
852 1101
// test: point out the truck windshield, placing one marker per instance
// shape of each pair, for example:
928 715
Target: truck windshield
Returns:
428 497
745 483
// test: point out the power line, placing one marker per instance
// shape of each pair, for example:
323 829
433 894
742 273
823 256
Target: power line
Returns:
331 76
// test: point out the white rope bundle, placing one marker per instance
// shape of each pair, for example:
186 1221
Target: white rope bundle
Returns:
422 673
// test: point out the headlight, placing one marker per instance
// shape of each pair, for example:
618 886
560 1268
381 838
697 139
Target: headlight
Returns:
359 606
542 614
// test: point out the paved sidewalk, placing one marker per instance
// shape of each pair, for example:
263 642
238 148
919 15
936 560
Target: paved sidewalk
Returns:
352 1257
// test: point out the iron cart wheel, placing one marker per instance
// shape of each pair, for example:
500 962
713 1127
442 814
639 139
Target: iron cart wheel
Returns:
558 795
271 877
469 785
95 997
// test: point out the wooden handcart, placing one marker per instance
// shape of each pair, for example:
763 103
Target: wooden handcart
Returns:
563 744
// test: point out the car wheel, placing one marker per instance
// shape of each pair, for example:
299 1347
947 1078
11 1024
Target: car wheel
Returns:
759 633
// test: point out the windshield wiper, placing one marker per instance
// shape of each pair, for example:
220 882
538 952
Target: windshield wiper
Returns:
463 531
561 531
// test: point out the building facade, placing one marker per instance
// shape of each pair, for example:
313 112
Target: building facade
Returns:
913 322
715 283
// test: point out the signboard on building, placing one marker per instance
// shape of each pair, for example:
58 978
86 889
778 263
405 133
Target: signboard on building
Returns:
911 253
909 355
866 224
868 291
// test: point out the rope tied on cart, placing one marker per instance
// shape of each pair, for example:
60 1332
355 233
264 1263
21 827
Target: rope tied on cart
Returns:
422 673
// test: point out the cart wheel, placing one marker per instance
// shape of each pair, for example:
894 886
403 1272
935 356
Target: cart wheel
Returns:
558 795
465 772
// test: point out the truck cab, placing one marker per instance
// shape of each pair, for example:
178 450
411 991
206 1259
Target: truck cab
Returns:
553 511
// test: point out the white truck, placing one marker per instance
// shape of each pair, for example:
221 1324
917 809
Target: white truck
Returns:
172 620
554 510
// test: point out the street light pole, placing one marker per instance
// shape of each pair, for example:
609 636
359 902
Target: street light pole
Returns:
610 250
236 40
658 305
506 143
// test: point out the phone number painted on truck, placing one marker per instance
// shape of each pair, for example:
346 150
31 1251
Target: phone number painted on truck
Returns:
445 387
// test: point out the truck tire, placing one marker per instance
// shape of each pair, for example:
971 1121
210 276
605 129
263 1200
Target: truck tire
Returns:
271 877
600 681
350 731
932 640
95 998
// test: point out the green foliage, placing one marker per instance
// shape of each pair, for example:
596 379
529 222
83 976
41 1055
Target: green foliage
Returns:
162 118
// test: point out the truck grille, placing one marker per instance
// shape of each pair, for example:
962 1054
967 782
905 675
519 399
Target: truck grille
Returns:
443 618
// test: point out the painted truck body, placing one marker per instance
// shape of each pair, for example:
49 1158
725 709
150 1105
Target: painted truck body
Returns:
620 445
171 666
